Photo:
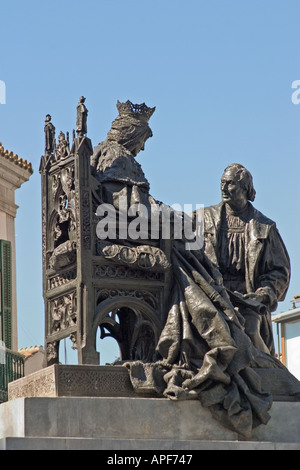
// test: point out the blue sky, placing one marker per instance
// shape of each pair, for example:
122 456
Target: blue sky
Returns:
219 72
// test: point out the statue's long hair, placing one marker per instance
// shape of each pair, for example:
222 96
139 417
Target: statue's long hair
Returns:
245 179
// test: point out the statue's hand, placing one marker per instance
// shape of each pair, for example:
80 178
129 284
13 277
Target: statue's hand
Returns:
258 297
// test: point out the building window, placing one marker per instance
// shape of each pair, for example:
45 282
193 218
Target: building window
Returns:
5 293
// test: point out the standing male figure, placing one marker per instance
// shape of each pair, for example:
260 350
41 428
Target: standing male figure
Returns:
248 250
81 119
49 135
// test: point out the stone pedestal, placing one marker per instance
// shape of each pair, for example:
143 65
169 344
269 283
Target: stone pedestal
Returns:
95 407
135 424
61 380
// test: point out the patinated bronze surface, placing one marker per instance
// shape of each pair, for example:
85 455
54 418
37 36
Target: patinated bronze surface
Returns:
247 248
49 135
175 319
81 119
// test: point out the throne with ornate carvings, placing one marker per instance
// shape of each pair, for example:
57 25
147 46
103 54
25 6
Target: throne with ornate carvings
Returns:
115 287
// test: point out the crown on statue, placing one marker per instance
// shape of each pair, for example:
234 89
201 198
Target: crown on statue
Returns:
140 111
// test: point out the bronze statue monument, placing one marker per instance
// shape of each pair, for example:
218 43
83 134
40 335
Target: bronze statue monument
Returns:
180 316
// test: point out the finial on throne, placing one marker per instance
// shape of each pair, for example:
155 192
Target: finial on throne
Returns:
49 136
81 120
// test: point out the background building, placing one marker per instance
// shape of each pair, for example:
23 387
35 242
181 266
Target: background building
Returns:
14 171
288 337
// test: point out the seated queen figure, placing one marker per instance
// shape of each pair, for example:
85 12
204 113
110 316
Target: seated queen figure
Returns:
114 162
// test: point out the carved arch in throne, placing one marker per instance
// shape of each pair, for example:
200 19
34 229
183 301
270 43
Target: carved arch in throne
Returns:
133 323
